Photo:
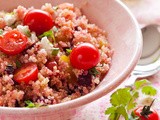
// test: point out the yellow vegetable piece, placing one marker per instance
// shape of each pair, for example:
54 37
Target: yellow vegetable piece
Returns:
65 58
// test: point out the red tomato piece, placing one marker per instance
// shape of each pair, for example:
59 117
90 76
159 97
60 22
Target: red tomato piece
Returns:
84 56
28 72
13 42
51 64
152 116
38 21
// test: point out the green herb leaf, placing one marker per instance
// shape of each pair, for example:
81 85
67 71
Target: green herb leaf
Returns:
68 51
28 33
30 104
131 104
149 90
55 51
116 97
122 111
140 83
116 112
33 105
48 34
110 110
18 64
1 31
93 71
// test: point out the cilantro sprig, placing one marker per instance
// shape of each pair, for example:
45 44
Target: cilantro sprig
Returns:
123 100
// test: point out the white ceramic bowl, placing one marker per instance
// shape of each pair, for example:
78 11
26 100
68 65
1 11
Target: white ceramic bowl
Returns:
124 36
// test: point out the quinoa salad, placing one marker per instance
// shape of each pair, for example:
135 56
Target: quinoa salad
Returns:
50 55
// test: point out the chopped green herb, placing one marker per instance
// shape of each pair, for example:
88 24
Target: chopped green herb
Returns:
55 51
1 31
93 71
48 34
28 33
55 8
18 64
30 104
68 51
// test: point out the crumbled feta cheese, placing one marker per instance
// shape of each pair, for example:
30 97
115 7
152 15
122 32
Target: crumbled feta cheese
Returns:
9 19
47 45
23 29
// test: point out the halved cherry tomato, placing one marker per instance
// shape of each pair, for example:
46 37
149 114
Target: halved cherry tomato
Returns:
84 56
51 64
13 42
151 116
28 72
38 21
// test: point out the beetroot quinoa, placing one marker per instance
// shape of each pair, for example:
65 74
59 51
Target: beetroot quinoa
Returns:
57 78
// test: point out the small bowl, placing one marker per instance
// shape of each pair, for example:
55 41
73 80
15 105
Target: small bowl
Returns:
124 36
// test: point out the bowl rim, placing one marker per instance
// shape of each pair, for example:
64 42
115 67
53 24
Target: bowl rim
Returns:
93 95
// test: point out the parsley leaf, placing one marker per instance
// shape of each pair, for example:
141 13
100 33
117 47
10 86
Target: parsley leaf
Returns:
68 51
28 33
48 34
110 110
116 112
140 83
131 104
122 111
119 100
149 90
116 97
30 104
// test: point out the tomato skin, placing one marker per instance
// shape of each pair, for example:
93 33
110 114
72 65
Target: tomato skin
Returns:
84 56
13 42
26 73
51 64
38 21
152 116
